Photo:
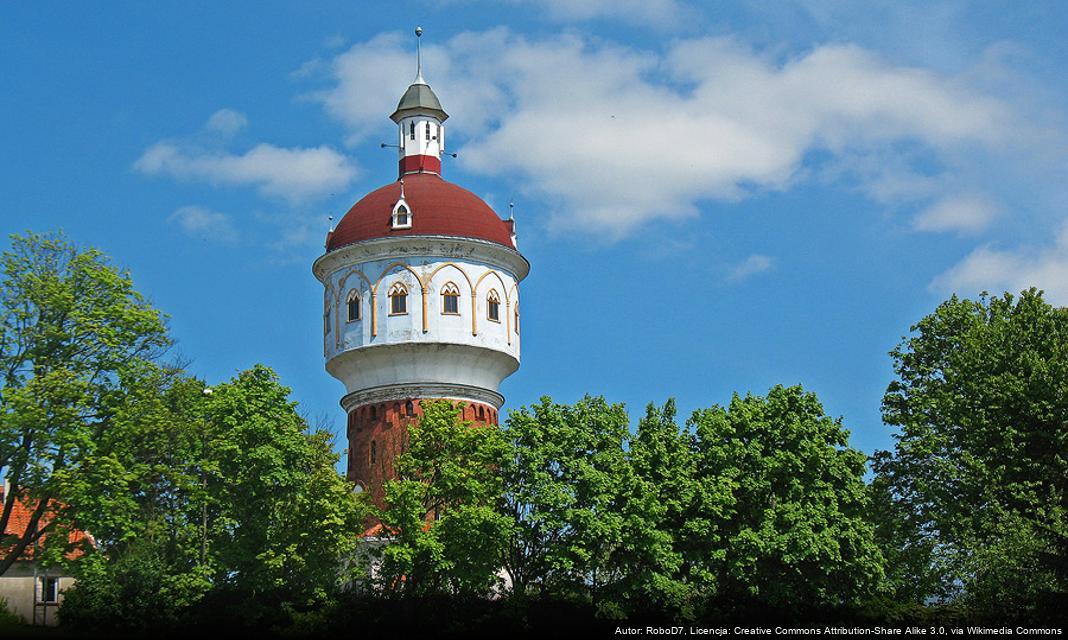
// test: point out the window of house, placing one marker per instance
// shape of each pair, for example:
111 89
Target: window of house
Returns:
400 217
412 129
374 412
353 305
450 299
493 306
49 589
398 299
409 409
374 452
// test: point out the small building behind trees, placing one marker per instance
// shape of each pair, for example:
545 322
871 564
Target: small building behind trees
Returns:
33 589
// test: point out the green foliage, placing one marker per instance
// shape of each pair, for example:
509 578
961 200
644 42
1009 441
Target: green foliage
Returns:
441 509
279 517
72 329
211 498
664 532
8 618
567 484
760 502
786 503
980 466
135 589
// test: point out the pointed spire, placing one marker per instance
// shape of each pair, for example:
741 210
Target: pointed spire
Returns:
418 56
419 98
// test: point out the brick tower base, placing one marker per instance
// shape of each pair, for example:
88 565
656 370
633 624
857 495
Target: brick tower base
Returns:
378 433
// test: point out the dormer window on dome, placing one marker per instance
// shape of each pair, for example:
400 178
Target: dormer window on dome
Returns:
402 213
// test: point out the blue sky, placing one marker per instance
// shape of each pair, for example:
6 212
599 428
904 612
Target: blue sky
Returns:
715 197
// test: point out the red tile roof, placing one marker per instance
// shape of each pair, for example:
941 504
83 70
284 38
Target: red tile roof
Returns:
438 208
22 511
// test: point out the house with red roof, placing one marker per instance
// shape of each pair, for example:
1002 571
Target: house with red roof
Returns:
29 589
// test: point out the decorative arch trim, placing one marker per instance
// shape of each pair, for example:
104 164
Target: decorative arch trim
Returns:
418 280
341 287
474 300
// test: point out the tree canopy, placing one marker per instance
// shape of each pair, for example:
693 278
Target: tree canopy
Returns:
980 466
72 330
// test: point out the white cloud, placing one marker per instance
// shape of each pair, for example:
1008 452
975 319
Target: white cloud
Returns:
204 223
226 122
994 270
749 267
967 213
613 137
294 174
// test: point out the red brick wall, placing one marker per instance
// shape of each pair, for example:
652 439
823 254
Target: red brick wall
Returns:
383 428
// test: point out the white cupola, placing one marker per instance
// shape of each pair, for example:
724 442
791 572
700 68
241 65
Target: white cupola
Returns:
420 118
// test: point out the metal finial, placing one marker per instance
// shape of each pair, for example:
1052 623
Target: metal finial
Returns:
418 56
402 188
511 210
331 219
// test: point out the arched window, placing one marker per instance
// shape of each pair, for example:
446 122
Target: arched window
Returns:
409 409
412 129
374 412
374 452
450 299
352 303
398 299
401 218
493 306
481 413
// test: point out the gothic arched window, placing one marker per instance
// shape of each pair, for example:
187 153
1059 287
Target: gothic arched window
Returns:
493 306
401 218
374 452
398 299
412 129
450 299
352 304
326 315
409 409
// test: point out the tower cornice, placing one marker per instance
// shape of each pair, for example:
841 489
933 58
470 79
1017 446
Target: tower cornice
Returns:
452 247
391 392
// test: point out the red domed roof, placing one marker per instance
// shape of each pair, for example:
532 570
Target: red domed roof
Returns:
439 208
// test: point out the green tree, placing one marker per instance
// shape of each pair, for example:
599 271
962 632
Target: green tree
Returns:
72 328
568 490
141 496
446 534
665 533
980 463
793 532
213 505
280 519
